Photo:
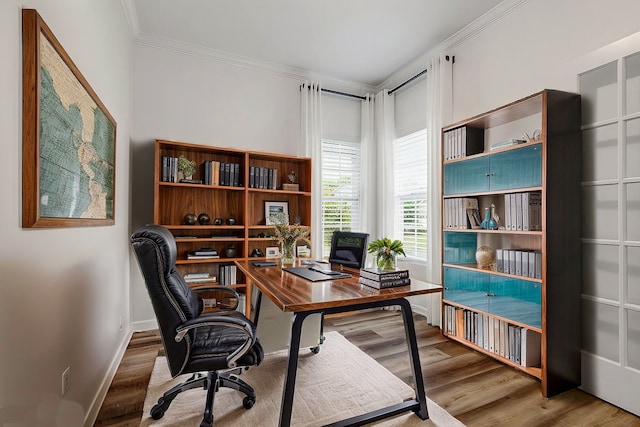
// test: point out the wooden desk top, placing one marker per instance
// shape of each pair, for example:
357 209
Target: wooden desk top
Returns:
294 294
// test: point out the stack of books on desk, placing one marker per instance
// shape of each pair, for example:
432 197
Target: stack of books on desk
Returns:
381 279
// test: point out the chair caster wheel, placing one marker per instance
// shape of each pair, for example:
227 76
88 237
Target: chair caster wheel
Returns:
315 350
206 423
248 402
157 411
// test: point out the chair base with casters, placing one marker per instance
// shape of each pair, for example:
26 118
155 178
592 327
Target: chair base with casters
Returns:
214 346
211 382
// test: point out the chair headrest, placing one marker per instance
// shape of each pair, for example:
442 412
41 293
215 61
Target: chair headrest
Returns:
161 237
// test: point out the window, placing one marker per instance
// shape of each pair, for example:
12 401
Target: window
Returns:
340 189
410 193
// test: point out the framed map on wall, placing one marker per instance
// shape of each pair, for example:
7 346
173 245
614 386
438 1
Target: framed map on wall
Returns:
68 138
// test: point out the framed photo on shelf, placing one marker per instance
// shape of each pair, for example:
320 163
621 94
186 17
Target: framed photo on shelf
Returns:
474 218
273 208
68 137
271 252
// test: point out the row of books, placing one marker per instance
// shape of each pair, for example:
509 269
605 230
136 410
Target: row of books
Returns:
382 279
461 213
203 253
462 142
228 275
516 343
221 173
521 262
261 177
523 211
196 277
170 169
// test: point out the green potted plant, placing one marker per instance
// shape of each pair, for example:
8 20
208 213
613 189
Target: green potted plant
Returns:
186 167
386 252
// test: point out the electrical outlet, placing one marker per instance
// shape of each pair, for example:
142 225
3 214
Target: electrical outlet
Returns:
66 380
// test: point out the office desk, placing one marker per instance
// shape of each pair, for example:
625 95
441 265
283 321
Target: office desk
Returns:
301 297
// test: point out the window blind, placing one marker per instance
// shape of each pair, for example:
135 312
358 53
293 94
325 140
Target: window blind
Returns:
340 189
410 193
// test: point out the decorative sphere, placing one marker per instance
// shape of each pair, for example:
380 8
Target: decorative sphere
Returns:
485 256
190 219
204 219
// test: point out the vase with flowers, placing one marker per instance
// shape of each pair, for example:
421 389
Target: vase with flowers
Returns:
386 252
287 235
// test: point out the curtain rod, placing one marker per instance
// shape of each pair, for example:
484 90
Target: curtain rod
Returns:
408 81
335 92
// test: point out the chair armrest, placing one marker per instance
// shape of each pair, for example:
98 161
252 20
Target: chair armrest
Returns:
225 289
241 323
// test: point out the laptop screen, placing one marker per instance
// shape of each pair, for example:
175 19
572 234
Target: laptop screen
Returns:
348 249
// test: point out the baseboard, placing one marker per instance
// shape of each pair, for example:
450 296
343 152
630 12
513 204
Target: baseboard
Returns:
96 404
145 325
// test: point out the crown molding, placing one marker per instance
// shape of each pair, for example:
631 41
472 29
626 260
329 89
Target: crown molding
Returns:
407 71
467 33
131 14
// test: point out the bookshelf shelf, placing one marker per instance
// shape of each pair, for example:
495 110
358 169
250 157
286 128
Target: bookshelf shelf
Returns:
237 199
533 290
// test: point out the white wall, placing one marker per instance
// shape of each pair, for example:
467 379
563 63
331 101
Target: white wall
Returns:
202 100
64 292
529 49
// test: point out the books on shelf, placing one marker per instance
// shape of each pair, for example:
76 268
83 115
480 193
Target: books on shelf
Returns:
221 173
506 143
461 213
462 142
518 344
194 256
263 178
228 275
199 277
523 211
205 251
519 262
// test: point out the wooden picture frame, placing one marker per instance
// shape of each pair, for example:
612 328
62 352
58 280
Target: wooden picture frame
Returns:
474 218
68 137
274 207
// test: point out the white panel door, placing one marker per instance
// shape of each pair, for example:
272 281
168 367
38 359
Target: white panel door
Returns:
611 230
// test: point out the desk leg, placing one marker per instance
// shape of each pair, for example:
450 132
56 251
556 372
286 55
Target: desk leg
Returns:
292 367
414 359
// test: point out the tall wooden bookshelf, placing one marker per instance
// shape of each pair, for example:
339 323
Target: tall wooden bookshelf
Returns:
243 201
485 307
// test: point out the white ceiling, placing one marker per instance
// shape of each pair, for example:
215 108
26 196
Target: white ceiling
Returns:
360 41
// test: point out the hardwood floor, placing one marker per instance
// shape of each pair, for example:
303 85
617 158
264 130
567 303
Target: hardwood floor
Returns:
475 389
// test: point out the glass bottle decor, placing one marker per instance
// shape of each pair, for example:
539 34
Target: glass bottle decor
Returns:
493 223
487 217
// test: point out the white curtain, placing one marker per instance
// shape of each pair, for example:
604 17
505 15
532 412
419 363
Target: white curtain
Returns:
384 185
434 204
311 146
369 218
439 100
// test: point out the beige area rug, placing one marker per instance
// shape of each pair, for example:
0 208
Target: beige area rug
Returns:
339 382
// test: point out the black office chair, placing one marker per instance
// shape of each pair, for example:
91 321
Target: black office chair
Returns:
220 343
